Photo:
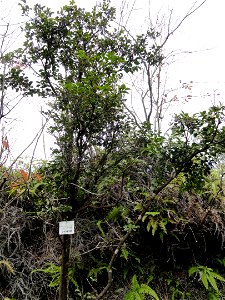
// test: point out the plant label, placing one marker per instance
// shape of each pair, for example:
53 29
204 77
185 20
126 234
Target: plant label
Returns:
66 227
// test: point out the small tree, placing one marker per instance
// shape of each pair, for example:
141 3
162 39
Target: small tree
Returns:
150 85
78 60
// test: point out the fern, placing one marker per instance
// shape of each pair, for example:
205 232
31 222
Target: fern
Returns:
138 291
117 213
53 271
208 278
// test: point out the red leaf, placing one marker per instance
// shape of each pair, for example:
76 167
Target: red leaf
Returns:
24 175
5 143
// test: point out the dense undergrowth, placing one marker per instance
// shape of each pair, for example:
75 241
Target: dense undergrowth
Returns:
181 229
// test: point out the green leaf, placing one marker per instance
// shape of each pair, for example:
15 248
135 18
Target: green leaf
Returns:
114 214
204 279
193 270
162 225
138 206
144 218
124 253
217 276
145 289
135 284
133 295
154 226
100 228
213 295
53 271
212 281
149 226
152 213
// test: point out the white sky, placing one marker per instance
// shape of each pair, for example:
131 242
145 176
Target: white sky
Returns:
199 44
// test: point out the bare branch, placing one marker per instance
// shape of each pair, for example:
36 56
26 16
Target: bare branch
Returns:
191 11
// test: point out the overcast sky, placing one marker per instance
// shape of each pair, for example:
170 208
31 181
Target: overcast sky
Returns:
199 45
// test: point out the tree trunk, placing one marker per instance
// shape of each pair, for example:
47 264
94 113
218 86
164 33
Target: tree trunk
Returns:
63 285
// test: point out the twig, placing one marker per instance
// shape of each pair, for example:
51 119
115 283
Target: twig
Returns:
89 192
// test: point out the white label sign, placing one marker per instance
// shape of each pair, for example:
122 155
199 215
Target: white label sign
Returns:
66 227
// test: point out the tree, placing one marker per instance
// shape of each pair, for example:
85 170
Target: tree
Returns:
78 59
149 85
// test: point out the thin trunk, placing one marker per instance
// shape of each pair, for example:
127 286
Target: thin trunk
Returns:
63 287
